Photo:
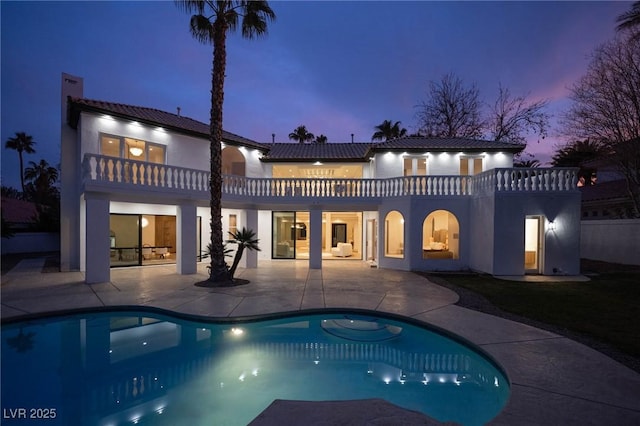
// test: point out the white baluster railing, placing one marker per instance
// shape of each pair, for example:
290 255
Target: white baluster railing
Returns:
131 173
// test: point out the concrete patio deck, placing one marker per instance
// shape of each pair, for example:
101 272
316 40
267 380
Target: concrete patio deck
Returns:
554 380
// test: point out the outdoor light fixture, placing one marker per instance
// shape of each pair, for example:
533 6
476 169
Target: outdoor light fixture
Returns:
552 225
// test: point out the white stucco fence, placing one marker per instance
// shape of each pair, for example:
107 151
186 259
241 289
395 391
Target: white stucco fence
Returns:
31 242
615 241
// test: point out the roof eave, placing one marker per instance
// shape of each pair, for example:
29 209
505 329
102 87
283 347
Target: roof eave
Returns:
75 108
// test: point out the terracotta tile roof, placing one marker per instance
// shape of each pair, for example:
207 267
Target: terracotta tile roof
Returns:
155 117
18 211
362 151
318 152
446 144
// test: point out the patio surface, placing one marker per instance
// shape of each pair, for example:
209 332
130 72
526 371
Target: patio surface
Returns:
554 380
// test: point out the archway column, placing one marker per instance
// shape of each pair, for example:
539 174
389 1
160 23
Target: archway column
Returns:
186 230
315 238
97 242
251 220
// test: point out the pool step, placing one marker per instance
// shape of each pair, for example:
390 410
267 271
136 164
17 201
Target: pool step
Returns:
359 330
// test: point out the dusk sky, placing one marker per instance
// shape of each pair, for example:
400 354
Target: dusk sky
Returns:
337 67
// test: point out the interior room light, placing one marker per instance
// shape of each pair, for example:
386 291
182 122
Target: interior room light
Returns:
135 151
145 222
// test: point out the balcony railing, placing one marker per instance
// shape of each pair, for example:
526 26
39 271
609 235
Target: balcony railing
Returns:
108 172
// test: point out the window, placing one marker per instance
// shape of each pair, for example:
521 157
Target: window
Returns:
470 166
133 149
394 234
440 236
110 145
233 224
155 154
408 167
415 166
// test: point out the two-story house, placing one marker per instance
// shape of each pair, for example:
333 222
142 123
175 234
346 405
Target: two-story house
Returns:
135 192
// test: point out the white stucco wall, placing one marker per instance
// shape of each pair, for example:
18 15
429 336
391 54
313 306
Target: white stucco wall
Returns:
420 209
253 165
616 241
181 150
481 233
402 205
561 247
264 234
391 164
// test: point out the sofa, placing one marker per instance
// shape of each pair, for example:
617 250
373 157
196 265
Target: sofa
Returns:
342 250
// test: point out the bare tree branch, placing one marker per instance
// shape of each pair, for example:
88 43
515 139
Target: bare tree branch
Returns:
606 108
513 118
451 109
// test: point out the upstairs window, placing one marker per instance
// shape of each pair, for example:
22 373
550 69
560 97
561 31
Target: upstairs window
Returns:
415 166
132 149
470 166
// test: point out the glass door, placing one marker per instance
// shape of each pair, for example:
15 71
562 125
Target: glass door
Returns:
532 244
125 239
284 235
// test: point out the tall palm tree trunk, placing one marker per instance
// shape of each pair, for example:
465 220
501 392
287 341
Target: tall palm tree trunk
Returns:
236 260
21 171
219 271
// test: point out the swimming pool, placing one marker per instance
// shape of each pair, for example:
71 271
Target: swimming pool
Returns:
149 367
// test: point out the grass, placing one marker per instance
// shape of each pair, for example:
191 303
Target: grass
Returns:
605 309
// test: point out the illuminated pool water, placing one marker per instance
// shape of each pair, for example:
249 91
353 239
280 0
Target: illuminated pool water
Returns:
149 368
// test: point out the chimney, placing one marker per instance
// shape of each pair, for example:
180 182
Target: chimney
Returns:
178 111
273 138
351 137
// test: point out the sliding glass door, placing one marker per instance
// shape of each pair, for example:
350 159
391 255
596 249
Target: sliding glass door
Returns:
284 235
138 239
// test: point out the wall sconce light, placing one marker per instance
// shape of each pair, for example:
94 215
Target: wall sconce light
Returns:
552 225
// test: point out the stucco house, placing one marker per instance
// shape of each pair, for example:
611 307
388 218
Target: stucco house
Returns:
135 192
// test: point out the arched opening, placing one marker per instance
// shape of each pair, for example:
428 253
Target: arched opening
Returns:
233 162
394 234
440 236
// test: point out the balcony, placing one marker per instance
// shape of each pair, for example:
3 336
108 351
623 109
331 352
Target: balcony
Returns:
117 175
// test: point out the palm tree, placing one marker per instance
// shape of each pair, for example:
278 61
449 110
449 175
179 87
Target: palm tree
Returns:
527 163
386 131
321 139
630 20
245 239
21 143
301 135
575 154
209 24
41 174
41 177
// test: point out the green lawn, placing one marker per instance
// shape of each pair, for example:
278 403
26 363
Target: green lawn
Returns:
606 308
